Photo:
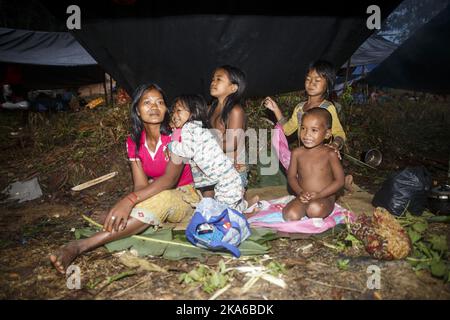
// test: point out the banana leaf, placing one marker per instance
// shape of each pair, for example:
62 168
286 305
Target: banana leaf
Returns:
174 245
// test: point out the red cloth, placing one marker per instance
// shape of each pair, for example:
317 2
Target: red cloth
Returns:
13 75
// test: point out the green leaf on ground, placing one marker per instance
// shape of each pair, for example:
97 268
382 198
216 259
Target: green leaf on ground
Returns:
354 241
420 226
438 268
438 243
414 235
276 268
174 245
208 278
262 235
443 219
249 248
343 264
84 233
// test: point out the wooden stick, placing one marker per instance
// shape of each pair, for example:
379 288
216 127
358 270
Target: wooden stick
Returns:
332 285
220 292
94 181
358 161
104 88
132 287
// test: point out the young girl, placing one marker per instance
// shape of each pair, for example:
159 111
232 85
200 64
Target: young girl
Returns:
227 116
210 164
319 83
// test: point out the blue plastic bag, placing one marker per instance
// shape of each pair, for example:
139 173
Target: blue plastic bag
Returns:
216 227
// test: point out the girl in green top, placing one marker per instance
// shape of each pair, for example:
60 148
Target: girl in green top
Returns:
319 83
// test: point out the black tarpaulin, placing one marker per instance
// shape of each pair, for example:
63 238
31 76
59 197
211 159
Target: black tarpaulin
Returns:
145 42
180 53
422 62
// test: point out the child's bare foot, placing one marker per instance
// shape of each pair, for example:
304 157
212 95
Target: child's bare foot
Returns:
253 200
348 184
62 258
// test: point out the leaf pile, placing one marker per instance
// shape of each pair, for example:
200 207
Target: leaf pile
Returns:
430 250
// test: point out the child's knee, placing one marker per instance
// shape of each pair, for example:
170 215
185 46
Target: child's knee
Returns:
316 210
290 215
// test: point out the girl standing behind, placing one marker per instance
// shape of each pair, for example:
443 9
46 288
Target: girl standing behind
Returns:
319 84
227 116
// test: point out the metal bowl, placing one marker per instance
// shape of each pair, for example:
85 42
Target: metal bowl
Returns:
439 200
373 157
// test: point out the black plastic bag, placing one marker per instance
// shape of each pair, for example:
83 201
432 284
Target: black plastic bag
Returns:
406 189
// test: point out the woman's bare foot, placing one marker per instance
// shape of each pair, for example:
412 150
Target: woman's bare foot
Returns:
62 258
348 184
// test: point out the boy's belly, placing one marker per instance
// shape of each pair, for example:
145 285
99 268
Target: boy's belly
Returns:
315 183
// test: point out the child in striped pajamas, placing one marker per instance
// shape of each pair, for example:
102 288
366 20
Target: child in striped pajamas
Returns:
209 163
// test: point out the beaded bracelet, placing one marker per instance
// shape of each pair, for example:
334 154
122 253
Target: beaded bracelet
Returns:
135 200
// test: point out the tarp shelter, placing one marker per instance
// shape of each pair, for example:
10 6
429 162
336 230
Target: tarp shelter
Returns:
178 47
422 62
373 51
368 56
47 59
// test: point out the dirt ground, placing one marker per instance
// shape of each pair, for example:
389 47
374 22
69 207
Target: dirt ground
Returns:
41 226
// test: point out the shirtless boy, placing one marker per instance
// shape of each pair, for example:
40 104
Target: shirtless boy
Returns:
315 173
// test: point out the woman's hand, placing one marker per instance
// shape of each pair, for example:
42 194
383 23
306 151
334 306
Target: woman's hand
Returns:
118 216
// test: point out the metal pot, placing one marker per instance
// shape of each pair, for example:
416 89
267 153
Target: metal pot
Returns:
373 157
439 200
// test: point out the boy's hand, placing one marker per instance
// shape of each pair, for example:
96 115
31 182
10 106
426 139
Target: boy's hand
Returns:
304 197
313 196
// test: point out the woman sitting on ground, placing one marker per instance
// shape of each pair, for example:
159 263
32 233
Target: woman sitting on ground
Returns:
170 194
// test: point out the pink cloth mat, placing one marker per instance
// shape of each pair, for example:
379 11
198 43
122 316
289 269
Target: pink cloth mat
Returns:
270 216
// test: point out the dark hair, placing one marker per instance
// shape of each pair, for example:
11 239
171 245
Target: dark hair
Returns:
196 105
320 112
136 123
237 77
326 70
